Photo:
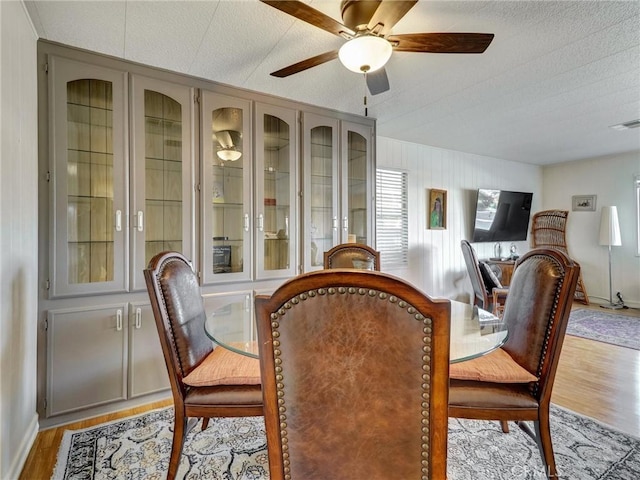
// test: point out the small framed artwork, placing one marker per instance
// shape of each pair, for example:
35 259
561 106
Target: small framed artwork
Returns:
437 209
583 203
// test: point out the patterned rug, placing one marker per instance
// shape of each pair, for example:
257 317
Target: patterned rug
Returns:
619 330
235 449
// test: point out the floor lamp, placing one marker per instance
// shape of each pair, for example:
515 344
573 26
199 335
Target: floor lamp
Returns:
610 236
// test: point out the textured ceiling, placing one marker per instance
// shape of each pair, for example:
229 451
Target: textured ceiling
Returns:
556 76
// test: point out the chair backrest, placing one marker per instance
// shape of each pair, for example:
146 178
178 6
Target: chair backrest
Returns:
179 313
537 312
352 255
548 230
481 295
355 372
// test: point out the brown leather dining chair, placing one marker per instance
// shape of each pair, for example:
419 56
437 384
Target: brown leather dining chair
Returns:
489 294
355 377
352 255
514 382
205 381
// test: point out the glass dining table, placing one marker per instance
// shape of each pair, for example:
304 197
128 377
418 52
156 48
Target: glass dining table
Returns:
474 331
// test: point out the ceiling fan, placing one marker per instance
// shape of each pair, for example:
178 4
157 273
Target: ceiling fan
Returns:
367 25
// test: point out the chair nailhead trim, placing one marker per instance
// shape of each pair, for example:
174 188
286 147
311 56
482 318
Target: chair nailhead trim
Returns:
535 387
426 367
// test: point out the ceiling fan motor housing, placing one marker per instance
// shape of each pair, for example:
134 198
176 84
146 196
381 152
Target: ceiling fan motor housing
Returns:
357 13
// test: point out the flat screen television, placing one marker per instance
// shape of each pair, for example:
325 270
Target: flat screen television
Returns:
501 216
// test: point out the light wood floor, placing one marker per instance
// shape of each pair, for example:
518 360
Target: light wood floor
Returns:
595 379
600 380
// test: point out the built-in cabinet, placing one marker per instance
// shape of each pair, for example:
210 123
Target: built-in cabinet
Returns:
337 195
101 354
135 161
93 177
276 212
162 172
87 178
227 173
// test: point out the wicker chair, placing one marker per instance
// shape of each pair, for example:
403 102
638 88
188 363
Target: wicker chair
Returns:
548 230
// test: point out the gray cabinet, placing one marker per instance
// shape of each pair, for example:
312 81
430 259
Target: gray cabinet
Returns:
147 372
102 354
252 188
227 172
86 357
338 178
91 225
162 172
321 188
276 192
357 185
88 225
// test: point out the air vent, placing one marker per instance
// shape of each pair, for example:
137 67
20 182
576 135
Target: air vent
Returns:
627 125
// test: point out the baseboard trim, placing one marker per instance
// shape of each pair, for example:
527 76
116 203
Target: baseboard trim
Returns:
25 448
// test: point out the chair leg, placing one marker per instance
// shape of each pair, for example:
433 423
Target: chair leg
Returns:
543 436
505 426
205 423
179 432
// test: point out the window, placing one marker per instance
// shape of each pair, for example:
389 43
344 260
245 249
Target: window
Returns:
637 185
392 225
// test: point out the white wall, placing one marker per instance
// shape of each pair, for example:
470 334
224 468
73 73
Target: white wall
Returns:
611 179
436 262
18 237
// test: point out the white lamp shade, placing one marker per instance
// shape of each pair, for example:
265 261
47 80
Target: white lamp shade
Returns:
365 54
609 227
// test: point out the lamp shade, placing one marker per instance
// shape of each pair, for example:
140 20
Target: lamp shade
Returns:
609 227
367 53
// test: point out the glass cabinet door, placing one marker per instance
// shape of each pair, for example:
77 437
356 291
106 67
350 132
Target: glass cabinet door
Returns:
88 219
162 190
226 188
357 184
275 178
320 193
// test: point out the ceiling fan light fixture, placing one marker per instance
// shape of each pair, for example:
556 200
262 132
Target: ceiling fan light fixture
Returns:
229 154
366 53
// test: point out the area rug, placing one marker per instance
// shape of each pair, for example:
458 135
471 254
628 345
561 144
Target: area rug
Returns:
235 449
605 327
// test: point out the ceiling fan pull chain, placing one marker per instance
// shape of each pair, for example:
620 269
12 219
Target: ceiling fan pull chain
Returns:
366 112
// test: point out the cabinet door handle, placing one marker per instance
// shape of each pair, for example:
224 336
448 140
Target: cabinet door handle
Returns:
247 303
261 222
118 220
246 222
345 224
335 223
119 319
138 318
140 217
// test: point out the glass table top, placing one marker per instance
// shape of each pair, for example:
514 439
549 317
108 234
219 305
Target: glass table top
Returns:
474 332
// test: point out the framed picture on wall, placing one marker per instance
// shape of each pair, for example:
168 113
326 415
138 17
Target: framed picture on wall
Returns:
437 209
583 203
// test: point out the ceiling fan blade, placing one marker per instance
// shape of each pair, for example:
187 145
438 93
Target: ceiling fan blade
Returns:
306 64
377 81
389 12
304 12
441 42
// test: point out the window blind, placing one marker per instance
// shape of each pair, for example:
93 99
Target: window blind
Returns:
392 224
